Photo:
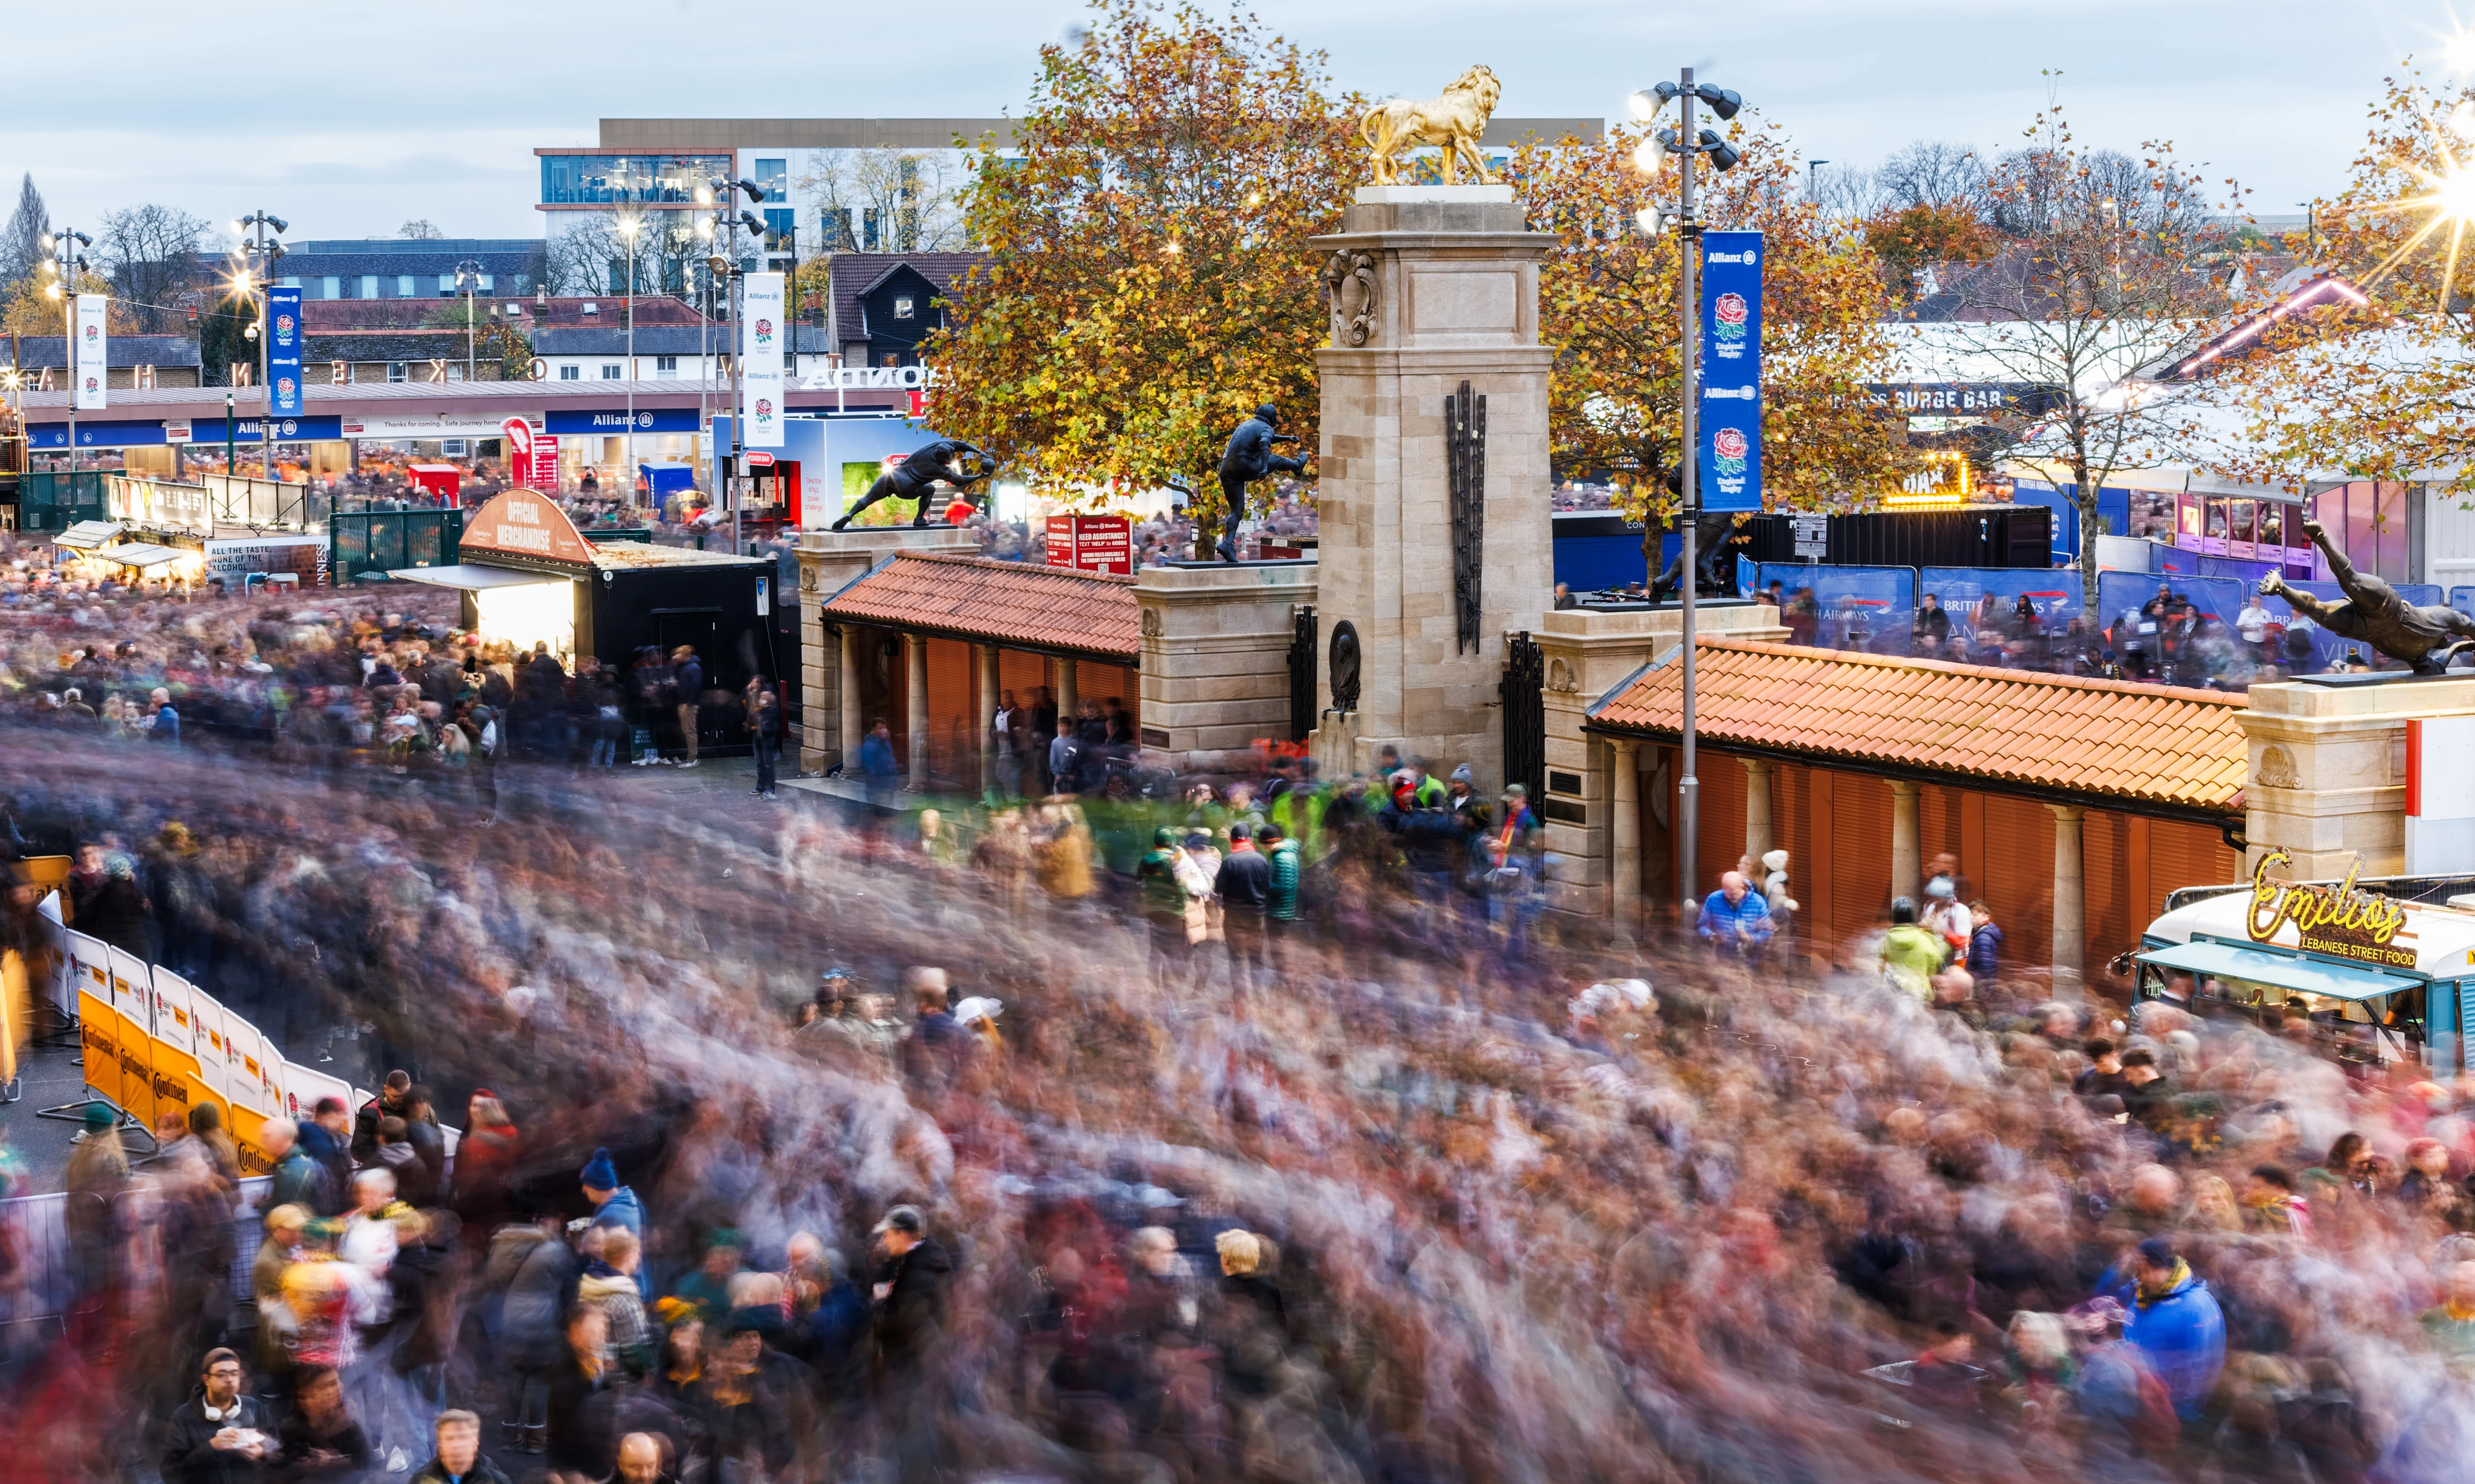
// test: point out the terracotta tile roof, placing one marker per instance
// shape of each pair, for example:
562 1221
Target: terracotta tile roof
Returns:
1087 615
2157 745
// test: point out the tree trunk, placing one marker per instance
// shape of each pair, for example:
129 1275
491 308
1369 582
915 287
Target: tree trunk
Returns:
2084 505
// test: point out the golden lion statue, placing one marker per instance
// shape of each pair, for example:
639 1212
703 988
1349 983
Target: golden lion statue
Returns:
1452 122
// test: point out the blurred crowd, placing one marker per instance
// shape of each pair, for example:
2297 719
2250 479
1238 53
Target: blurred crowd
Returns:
740 1144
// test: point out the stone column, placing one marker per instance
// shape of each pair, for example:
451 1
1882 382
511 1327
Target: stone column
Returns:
1757 810
982 723
854 725
1069 695
1906 862
2071 913
1623 807
916 693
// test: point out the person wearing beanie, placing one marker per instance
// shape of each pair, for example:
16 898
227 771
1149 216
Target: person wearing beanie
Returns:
1775 891
2174 1322
613 1204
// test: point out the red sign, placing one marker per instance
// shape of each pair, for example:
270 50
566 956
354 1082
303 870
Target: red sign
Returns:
517 435
1093 543
760 460
545 471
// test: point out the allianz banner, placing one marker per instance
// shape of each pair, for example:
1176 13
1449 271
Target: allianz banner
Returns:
284 351
762 330
1728 464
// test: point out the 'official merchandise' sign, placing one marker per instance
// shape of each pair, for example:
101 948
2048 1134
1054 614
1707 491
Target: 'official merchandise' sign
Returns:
1730 472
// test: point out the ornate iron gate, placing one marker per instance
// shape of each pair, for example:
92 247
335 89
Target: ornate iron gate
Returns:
1524 689
1465 462
1302 672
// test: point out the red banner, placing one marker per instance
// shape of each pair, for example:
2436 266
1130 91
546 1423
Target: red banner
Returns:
1093 543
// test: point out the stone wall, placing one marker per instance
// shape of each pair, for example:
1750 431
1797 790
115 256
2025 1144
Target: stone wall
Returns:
830 561
1215 672
2327 776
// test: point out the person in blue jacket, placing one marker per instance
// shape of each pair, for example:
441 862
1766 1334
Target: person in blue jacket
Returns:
2174 1322
1734 919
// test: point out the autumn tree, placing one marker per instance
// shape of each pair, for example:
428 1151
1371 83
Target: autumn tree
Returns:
1908 239
34 311
2108 266
1148 281
1607 303
2379 390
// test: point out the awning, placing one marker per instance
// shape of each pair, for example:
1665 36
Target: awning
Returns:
2287 971
86 535
472 578
140 553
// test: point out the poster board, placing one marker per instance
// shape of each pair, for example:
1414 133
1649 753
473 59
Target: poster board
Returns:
249 1093
132 1032
177 1075
304 1087
59 988
98 1023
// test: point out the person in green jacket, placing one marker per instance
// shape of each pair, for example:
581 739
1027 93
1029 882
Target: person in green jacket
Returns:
1163 903
1912 955
1281 906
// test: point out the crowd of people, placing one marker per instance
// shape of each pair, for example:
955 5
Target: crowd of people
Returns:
1267 1130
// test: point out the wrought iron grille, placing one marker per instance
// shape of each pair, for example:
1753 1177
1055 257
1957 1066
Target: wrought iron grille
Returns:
1465 456
1524 689
1303 654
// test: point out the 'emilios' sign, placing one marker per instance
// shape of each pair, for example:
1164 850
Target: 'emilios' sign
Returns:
2342 920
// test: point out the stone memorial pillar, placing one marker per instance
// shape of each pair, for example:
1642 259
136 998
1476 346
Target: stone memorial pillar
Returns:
1434 512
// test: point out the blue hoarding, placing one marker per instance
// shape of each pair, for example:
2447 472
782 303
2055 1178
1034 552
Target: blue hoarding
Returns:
1984 601
284 351
96 434
614 421
286 429
1729 446
1864 608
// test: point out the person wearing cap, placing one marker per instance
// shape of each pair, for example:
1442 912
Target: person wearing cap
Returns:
613 1204
2174 1322
977 1014
910 1291
218 1435
1783 908
1156 876
1460 796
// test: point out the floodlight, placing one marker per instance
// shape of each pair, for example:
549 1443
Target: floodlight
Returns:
1724 102
1722 153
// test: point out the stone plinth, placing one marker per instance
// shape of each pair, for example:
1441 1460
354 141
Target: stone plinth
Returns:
1437 286
2327 777
830 561
1589 654
1216 668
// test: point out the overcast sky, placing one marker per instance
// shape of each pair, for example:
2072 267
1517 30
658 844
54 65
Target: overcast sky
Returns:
347 120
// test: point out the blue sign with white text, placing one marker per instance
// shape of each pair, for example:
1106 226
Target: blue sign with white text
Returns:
251 429
1729 472
615 421
284 351
95 435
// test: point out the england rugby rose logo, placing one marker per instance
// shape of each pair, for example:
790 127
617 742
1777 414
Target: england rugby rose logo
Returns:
1731 445
1730 311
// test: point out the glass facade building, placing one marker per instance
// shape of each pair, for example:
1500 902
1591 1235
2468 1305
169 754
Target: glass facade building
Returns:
628 180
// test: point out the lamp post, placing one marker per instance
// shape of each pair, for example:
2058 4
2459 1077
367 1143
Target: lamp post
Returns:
64 267
629 228
468 278
1685 142
1813 179
259 249
725 262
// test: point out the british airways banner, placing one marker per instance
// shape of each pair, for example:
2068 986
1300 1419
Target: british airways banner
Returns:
1730 472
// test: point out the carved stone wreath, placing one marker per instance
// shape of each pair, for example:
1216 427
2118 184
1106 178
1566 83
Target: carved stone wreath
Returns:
1151 624
1349 279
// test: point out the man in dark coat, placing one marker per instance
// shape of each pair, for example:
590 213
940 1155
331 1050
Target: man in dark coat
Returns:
911 1288
218 1436
1247 458
911 478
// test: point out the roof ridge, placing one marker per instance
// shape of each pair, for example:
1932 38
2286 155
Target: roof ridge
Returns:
2097 683
1002 564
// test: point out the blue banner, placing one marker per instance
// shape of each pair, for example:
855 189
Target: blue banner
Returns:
284 351
1728 459
250 430
1984 602
614 421
123 434
1866 608
2463 600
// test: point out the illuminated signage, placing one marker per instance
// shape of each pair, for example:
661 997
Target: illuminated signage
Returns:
2343 922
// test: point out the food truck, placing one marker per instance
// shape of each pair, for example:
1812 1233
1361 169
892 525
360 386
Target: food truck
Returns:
2380 972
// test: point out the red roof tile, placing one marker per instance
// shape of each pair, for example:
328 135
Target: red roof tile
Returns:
2157 745
1012 603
